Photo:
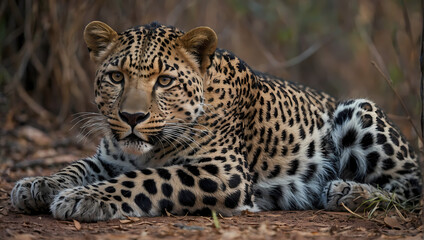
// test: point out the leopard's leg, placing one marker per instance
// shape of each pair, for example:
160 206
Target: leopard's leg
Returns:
195 189
373 157
35 194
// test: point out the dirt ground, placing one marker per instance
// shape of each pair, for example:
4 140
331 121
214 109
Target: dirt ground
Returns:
27 151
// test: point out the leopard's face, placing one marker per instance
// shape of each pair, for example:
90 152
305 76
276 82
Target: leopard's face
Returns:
149 82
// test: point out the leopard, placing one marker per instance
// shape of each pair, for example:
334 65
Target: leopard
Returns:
189 128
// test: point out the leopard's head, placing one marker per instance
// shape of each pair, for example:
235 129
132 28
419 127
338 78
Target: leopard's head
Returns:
148 79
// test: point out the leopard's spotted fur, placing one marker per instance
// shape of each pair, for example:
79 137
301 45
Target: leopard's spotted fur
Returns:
191 128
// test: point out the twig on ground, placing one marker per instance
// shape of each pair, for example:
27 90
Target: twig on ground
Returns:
352 212
399 213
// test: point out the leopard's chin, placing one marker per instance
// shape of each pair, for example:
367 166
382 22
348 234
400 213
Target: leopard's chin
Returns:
135 147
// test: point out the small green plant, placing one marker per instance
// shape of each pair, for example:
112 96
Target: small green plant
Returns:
215 220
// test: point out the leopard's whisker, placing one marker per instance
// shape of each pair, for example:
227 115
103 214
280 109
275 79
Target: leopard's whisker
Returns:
176 136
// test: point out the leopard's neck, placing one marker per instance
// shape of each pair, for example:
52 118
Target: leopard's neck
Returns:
230 85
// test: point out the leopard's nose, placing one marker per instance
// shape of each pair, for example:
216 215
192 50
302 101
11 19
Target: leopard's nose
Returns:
133 118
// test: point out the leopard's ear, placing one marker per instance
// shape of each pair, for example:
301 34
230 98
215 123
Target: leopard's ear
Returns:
100 39
201 43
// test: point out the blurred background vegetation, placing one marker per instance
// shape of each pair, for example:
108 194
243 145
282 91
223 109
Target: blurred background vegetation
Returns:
46 75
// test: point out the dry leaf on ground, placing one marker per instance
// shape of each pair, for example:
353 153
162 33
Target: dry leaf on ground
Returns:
77 225
392 222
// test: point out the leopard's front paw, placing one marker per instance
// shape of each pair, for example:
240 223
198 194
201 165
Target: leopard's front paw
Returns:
84 205
350 194
34 194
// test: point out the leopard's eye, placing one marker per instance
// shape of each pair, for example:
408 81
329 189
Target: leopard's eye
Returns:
165 81
116 76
